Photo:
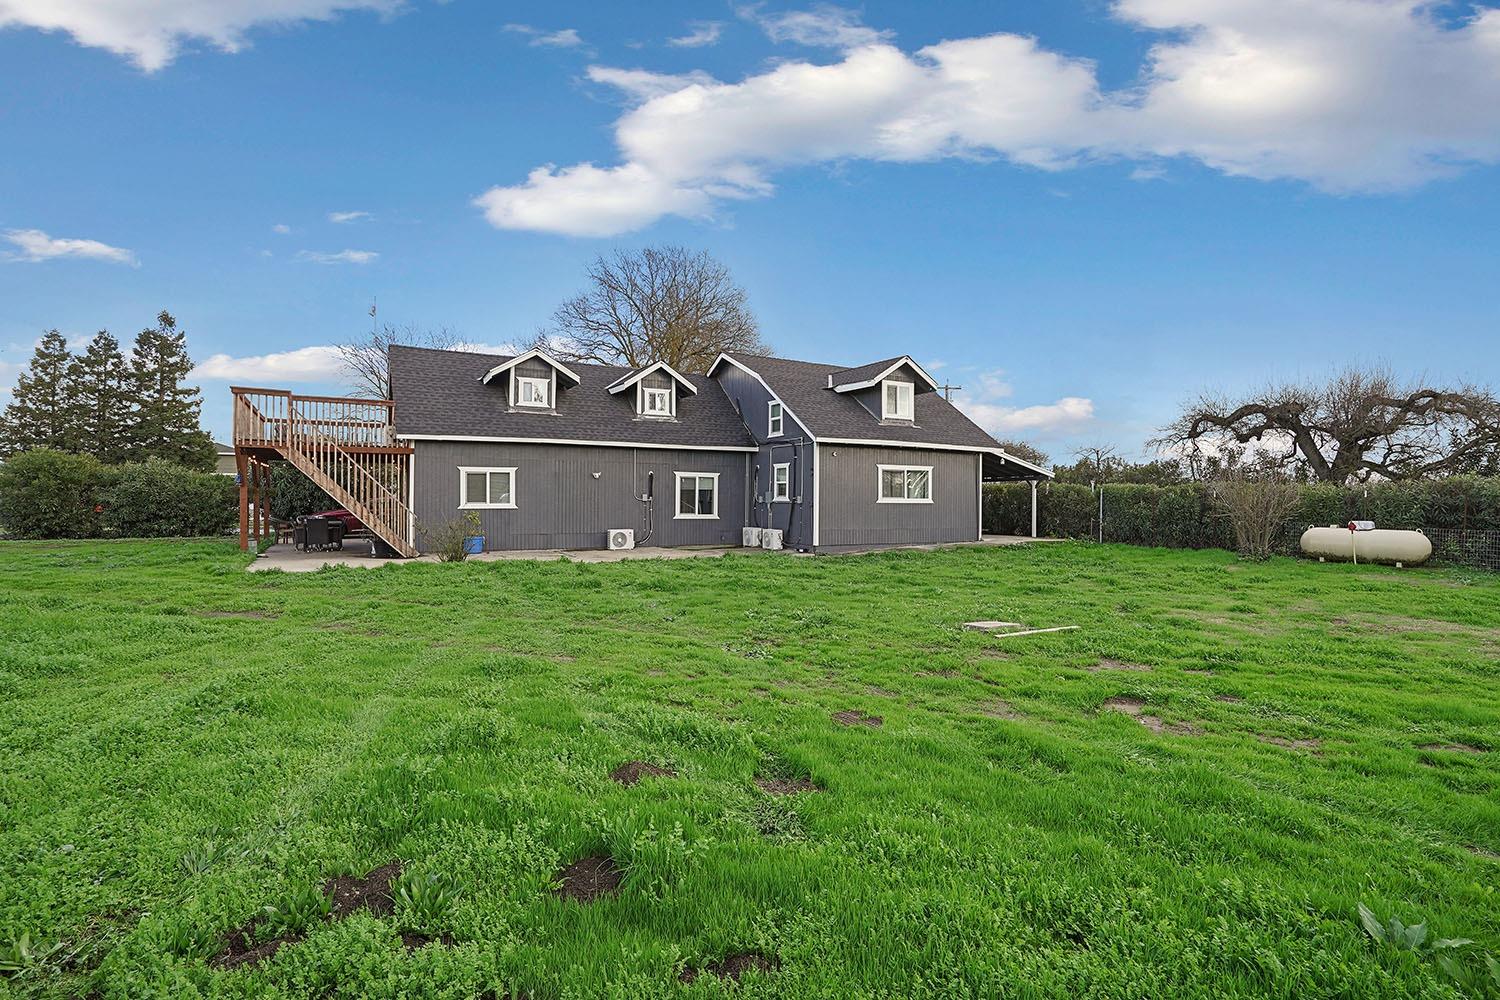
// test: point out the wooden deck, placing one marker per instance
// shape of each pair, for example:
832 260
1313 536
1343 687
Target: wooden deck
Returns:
346 445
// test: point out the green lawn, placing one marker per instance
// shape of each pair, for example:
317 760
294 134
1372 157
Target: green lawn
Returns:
184 744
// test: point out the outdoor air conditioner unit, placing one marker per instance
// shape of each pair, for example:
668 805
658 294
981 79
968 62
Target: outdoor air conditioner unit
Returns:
621 538
750 537
770 538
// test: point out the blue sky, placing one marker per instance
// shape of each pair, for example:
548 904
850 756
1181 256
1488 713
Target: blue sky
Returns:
1080 212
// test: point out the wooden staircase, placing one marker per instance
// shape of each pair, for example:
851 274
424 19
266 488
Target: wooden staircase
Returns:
347 446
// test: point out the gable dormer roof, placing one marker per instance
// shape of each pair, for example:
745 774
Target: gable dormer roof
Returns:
868 376
536 352
631 378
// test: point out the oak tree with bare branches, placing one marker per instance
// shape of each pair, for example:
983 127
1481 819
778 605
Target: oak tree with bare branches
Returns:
364 361
1356 425
656 304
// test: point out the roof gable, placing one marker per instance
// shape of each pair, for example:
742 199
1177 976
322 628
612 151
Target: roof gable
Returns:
868 376
807 388
535 353
631 378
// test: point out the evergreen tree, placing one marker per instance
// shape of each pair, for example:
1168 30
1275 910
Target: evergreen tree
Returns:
99 385
40 413
165 418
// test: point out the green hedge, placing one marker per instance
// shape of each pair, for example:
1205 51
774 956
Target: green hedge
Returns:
1185 517
51 494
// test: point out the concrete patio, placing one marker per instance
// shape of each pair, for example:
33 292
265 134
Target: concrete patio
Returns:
356 553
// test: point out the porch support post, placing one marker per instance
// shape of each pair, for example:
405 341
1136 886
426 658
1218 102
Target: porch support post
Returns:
242 470
1033 508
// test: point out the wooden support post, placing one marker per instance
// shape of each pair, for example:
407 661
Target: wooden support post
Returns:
242 470
255 500
1033 508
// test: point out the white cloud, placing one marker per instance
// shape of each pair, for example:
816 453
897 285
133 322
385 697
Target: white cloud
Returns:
151 32
34 246
825 26
982 400
563 38
281 229
700 34
1347 95
342 257
345 217
306 364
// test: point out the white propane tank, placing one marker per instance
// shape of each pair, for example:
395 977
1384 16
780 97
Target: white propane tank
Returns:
1376 545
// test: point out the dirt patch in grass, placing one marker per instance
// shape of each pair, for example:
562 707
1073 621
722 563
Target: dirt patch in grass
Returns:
786 786
347 894
412 940
732 967
880 692
256 615
852 718
1229 699
1315 746
587 879
1135 708
1196 672
1107 664
633 771
937 673
1482 852
1453 747
240 947
370 891
999 709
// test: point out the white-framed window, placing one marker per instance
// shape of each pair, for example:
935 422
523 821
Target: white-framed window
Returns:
656 402
697 495
486 488
532 390
781 481
773 421
896 400
905 484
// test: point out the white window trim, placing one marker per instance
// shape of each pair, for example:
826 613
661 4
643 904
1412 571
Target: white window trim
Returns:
910 396
640 402
881 470
677 496
463 480
776 496
775 424
515 390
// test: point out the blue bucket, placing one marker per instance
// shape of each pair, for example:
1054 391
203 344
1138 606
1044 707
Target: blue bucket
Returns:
473 545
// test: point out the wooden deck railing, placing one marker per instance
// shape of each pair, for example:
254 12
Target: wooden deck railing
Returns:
347 446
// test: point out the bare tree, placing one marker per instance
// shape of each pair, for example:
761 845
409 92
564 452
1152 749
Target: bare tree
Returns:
657 304
1358 424
365 361
1097 460
1257 502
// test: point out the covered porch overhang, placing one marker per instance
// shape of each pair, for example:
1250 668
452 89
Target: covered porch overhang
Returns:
1000 467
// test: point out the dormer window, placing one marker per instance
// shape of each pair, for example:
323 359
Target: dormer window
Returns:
896 399
657 402
773 424
533 391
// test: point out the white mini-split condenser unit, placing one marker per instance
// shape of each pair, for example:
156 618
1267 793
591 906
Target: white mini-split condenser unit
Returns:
750 537
621 538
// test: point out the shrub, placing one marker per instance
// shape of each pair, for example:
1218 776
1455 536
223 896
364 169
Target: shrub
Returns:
51 494
158 499
293 494
1258 508
447 539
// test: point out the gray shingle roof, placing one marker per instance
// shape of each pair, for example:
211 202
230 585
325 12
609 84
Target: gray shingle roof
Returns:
439 392
843 376
803 386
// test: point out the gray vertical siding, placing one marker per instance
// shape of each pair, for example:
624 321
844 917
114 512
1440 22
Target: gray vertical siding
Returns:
794 447
559 503
849 515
